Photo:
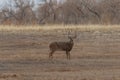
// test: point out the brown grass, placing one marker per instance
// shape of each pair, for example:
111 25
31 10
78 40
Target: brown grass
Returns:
24 53
61 27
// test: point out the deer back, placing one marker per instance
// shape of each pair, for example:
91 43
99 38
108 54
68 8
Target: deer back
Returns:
63 46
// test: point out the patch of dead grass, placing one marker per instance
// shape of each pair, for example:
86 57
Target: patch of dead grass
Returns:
61 27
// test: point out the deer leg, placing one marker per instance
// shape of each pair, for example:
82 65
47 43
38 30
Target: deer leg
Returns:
67 54
51 54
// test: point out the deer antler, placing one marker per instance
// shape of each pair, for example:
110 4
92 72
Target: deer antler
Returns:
75 34
71 33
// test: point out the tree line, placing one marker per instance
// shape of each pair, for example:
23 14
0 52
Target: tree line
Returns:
24 12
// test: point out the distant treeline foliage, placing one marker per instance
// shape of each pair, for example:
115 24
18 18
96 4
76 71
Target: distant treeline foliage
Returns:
25 12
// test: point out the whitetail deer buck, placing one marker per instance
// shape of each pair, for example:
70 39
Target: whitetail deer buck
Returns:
62 46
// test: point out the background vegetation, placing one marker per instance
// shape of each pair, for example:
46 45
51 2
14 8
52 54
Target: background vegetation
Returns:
66 12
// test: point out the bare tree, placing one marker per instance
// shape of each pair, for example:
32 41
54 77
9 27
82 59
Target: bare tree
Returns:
47 12
20 13
68 12
110 11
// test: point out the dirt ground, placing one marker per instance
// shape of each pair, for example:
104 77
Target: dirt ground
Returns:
24 56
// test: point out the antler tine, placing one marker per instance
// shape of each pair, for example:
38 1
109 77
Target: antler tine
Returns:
65 32
69 32
75 33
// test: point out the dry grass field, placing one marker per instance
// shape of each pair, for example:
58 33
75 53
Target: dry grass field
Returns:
24 53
